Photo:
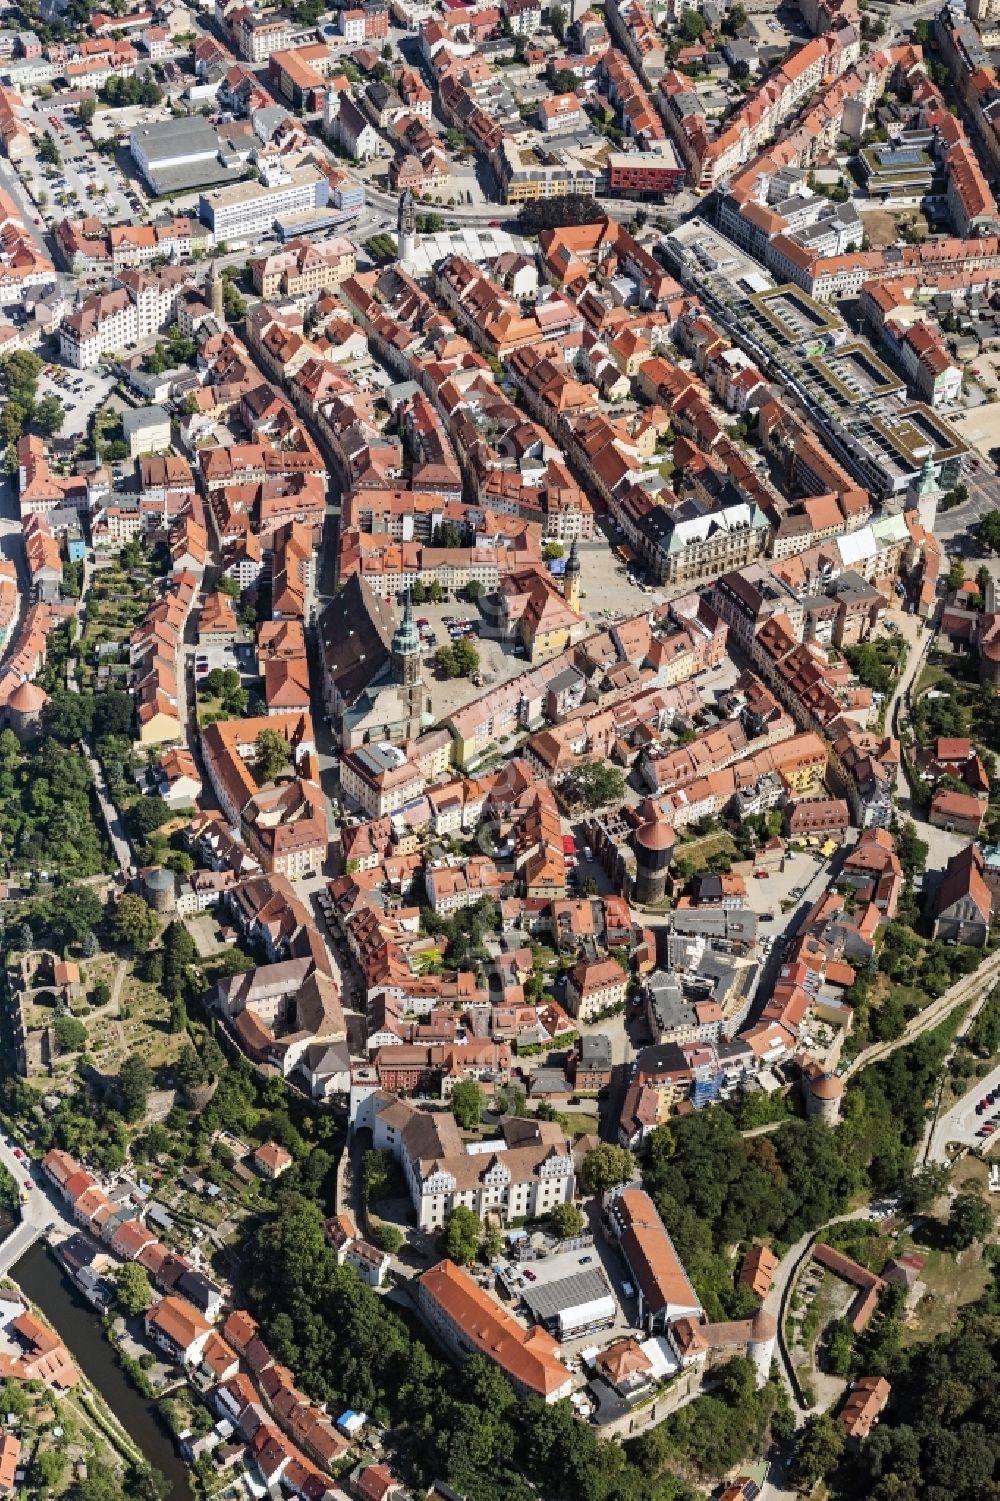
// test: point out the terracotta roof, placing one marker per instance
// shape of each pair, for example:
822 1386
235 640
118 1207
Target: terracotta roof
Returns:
177 1321
529 1356
650 1253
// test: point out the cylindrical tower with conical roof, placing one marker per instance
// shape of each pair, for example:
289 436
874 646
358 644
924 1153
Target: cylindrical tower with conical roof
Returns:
654 845
763 1333
25 707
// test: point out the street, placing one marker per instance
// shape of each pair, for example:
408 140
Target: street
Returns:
41 1209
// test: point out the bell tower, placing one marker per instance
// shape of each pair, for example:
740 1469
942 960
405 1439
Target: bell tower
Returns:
406 230
571 579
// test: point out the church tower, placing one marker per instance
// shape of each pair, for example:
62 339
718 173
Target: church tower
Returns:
406 649
406 230
571 580
216 291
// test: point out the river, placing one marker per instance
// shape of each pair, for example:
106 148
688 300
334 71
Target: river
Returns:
45 1283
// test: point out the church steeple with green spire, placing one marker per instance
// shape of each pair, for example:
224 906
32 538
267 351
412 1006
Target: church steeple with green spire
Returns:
406 647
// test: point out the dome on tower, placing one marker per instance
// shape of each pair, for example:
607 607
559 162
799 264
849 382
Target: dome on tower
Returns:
27 698
655 835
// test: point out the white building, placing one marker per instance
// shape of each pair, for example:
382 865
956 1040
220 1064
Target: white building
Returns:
522 1175
247 210
380 778
139 304
146 429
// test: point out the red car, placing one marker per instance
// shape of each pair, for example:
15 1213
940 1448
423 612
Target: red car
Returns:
762 875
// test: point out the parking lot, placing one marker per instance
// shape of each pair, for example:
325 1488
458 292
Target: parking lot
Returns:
546 1264
242 658
85 183
805 875
962 1123
79 392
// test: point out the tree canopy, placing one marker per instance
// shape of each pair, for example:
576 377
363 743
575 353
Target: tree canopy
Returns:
467 1103
271 755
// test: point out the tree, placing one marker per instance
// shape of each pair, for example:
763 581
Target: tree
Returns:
462 1235
565 81
234 306
47 151
444 659
86 110
989 531
473 590
606 1166
971 1219
692 26
376 1174
466 657
10 750
189 1072
113 714
820 1450
493 1243
135 923
70 1034
132 1086
925 1186
557 20
600 784
73 915
956 575
146 816
387 1237
132 1288
553 550
48 416
272 755
911 849
510 1099
467 1103
48 1468
566 1220
840 1347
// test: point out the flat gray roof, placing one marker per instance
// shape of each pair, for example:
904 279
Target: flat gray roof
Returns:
208 173
548 1299
134 419
168 139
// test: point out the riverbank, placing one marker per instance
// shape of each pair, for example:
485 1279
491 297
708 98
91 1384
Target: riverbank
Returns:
116 1410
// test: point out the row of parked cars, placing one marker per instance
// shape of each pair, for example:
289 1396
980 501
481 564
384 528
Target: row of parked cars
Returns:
988 1127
